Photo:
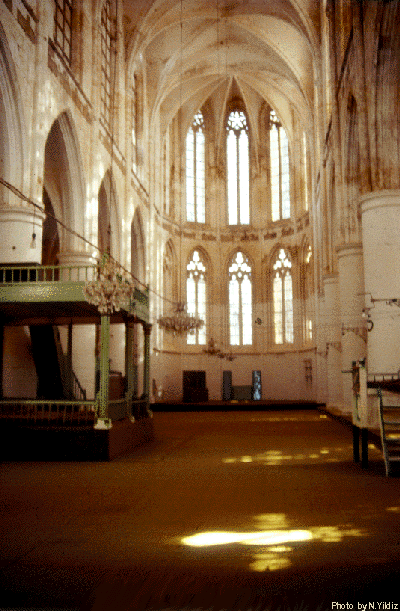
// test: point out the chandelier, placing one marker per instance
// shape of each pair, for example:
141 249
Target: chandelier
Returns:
180 322
111 290
213 350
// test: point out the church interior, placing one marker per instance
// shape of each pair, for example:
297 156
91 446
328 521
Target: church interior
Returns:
199 214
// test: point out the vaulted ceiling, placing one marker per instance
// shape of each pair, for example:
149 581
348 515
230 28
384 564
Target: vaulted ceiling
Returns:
193 49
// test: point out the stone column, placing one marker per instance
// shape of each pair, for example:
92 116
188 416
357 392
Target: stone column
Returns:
381 244
333 341
21 236
79 265
353 328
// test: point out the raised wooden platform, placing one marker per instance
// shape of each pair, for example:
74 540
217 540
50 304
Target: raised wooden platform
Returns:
19 442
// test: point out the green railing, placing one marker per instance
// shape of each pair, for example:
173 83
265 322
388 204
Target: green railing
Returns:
11 275
47 273
45 412
67 413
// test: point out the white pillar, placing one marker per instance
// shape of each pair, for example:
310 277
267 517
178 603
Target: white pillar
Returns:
381 245
20 236
73 260
353 326
333 339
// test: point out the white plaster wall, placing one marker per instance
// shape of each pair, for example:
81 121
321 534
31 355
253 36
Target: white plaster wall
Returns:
19 373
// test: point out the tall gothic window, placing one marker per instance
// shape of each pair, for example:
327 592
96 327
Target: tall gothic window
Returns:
196 295
63 28
107 68
307 287
240 301
195 171
305 173
283 298
279 164
238 169
134 121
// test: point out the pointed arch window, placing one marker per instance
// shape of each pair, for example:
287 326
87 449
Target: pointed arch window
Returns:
240 301
196 295
283 298
237 146
279 166
307 286
195 171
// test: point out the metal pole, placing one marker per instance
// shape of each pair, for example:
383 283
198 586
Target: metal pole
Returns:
104 366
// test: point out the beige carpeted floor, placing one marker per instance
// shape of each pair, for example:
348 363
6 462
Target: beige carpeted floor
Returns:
237 511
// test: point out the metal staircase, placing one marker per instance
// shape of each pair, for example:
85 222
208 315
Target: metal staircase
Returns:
390 433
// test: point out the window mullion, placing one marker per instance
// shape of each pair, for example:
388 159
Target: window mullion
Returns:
237 178
195 175
280 173
240 313
283 309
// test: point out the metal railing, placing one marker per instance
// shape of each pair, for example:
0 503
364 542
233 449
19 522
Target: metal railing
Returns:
47 273
10 275
45 412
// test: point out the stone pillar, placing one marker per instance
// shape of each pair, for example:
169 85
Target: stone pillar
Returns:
333 341
21 236
79 265
381 245
353 328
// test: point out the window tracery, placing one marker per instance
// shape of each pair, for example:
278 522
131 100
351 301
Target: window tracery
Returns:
240 301
63 28
107 68
196 295
195 170
279 167
282 287
238 188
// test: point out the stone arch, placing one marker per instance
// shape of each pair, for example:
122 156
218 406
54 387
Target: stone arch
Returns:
138 249
63 180
12 125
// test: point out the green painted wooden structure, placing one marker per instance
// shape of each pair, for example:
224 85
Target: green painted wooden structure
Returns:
53 295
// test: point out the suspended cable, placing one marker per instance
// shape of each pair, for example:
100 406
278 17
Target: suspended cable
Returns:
30 201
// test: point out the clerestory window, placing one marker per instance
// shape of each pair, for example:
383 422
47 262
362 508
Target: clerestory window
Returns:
283 298
240 301
237 146
63 28
279 166
195 171
196 295
107 63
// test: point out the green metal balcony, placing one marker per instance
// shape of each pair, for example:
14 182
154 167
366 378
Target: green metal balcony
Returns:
55 292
